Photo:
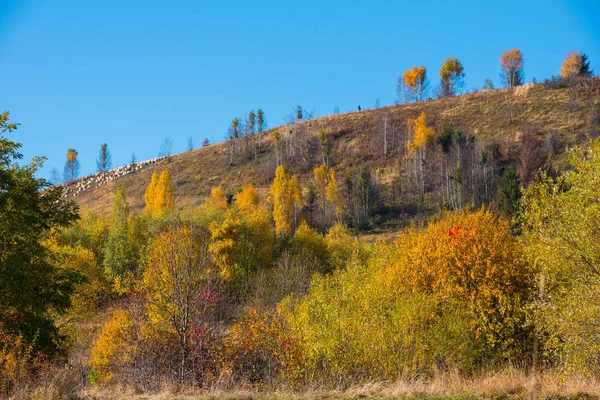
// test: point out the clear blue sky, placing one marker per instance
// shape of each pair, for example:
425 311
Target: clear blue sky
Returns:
78 73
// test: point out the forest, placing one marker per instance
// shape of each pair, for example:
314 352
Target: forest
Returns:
487 285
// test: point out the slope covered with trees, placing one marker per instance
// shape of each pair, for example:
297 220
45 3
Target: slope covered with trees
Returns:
475 138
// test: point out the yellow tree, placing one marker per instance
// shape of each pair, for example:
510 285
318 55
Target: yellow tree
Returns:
334 196
511 64
423 136
451 74
576 64
412 84
150 194
159 194
243 242
285 194
178 284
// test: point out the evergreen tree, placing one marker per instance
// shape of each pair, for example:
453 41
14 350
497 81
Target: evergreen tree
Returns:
509 192
104 161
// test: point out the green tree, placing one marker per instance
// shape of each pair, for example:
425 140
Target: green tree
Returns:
561 224
104 161
509 192
120 261
32 288
451 74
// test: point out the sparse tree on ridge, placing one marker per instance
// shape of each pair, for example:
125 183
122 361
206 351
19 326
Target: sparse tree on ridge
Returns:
205 142
190 144
488 84
261 125
54 176
511 64
71 171
451 75
104 161
166 149
412 85
576 64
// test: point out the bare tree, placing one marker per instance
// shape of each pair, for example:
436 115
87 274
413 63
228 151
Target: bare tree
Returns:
166 149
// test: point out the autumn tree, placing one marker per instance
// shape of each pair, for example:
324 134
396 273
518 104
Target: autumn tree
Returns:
243 242
576 64
511 64
104 160
451 75
180 289
71 170
412 85
285 195
423 136
159 194
34 290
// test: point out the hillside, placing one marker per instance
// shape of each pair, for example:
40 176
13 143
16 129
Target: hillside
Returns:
556 118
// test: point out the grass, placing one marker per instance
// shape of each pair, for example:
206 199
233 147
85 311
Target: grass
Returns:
507 385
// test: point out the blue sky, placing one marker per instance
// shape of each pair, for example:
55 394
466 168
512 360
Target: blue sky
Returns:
77 73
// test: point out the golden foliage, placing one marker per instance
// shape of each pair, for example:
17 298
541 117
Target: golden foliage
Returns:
285 194
159 194
511 60
571 65
423 134
113 346
471 257
260 348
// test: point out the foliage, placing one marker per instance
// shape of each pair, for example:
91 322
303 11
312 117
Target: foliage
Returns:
509 192
575 64
121 255
71 170
511 64
451 74
159 194
104 161
32 289
260 348
473 258
308 243
561 220
413 84
342 247
243 242
423 134
285 195
113 346
181 290
349 328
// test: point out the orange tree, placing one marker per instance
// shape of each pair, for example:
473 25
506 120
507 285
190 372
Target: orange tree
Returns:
471 257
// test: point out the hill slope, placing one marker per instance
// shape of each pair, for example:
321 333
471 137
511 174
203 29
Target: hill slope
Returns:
556 118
